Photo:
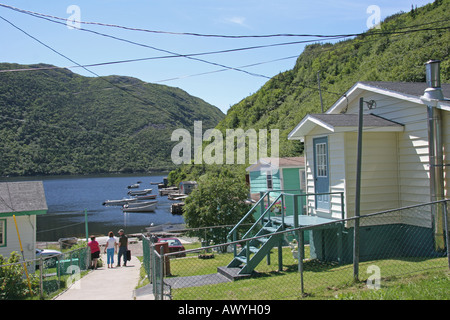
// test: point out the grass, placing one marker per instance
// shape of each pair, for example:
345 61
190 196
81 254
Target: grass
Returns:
401 279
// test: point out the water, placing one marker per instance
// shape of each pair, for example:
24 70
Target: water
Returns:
69 197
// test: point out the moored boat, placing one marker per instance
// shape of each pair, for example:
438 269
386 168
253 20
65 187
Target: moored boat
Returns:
145 208
139 192
146 197
119 202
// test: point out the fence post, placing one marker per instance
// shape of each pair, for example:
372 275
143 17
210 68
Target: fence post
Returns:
162 272
300 259
447 234
41 277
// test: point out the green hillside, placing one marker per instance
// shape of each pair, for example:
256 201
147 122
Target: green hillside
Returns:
58 122
285 99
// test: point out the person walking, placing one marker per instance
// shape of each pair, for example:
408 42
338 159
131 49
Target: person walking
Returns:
110 249
95 252
123 247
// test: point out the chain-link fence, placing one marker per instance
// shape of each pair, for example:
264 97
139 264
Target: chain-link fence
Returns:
334 256
41 277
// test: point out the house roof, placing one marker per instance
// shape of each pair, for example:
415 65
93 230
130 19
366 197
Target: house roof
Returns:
25 197
286 162
341 123
410 91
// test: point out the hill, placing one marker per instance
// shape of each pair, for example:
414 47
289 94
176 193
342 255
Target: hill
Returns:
58 122
392 53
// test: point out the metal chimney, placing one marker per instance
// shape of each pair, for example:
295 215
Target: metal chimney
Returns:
431 97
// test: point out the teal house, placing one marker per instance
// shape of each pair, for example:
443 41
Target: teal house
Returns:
276 174
287 174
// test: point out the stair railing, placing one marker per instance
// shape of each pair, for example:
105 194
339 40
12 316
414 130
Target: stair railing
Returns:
232 235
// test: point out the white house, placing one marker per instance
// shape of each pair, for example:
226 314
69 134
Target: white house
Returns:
396 168
24 201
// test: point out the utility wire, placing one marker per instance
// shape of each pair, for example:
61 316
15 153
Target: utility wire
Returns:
202 34
92 72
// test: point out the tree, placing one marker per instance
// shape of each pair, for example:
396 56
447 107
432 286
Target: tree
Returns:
218 200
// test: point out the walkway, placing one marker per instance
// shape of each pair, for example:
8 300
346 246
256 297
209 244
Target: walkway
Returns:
116 283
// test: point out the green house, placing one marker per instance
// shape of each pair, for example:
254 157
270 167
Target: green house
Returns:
276 174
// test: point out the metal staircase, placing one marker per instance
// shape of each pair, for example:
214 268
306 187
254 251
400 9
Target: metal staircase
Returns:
256 249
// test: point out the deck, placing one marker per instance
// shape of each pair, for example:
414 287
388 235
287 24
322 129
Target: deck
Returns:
306 221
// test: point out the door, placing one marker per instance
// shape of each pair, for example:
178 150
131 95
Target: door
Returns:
321 173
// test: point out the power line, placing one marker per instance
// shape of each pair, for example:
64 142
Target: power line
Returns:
92 72
201 34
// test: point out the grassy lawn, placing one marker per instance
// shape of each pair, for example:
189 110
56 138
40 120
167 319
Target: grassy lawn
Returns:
400 279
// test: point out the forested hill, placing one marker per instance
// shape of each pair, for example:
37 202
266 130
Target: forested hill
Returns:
58 122
388 56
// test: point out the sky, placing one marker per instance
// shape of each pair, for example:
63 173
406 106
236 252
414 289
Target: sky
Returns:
221 79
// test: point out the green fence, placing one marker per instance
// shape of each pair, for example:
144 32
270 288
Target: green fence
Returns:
43 276
390 245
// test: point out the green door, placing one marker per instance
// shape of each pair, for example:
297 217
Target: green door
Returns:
291 181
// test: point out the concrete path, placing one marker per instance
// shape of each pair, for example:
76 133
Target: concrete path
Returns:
105 283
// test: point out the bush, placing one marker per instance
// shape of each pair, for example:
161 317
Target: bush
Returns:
13 282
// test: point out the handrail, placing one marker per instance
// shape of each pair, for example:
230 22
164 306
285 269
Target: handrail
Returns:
247 214
262 216
254 207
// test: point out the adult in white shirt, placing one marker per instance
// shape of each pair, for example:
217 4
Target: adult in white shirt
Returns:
110 249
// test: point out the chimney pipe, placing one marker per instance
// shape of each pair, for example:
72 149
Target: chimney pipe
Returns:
431 96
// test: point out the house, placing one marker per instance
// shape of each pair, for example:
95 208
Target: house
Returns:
275 174
186 187
398 165
24 200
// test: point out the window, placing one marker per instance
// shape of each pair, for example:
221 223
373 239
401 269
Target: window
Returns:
321 162
269 180
2 233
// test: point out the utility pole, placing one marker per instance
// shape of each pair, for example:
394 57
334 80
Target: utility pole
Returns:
320 90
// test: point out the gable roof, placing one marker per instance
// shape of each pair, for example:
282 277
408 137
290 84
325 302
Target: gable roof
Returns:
287 162
342 122
410 91
25 197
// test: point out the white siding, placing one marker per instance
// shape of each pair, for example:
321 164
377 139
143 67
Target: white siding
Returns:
379 172
27 229
413 160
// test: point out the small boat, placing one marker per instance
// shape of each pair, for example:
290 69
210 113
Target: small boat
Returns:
166 191
146 197
133 186
173 196
119 202
145 208
139 192
140 203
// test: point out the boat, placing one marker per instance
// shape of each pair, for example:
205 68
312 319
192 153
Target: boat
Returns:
140 203
119 202
145 208
146 197
139 192
166 191
175 195
133 186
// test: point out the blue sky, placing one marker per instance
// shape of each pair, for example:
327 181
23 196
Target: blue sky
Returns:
230 17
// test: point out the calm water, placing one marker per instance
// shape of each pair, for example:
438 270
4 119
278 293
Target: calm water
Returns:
68 198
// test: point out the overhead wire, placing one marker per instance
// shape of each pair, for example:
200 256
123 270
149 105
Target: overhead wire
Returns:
88 70
200 34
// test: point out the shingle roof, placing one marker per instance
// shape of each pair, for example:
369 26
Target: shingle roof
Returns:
22 196
286 162
410 88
